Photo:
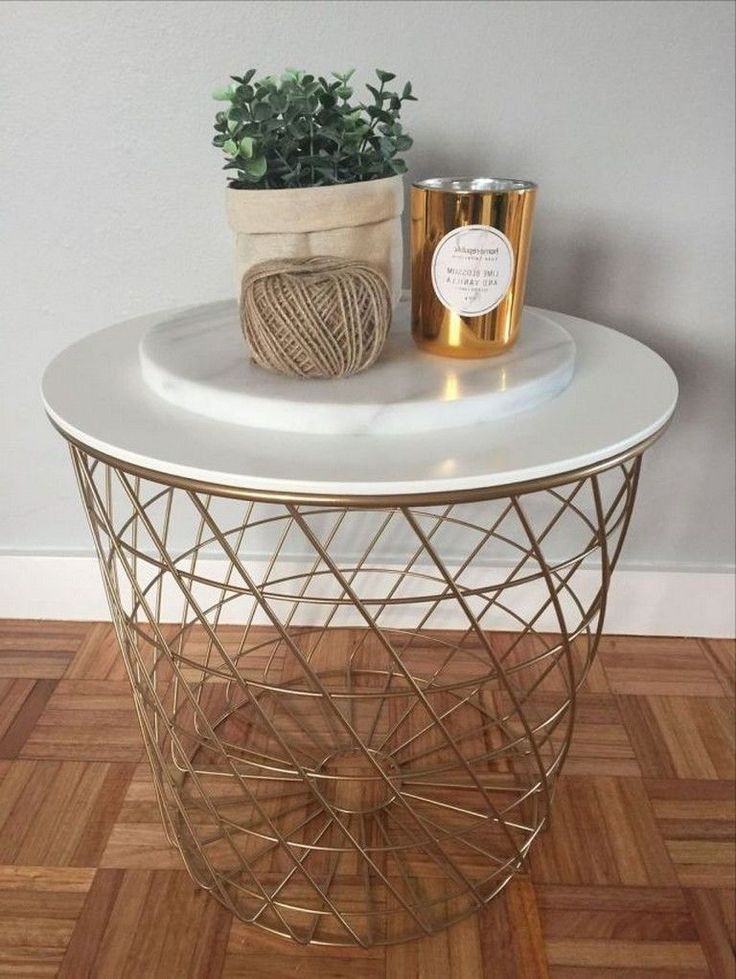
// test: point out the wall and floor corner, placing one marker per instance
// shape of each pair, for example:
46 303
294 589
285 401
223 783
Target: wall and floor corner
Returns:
113 207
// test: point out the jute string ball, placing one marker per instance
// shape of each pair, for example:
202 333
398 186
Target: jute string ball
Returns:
314 317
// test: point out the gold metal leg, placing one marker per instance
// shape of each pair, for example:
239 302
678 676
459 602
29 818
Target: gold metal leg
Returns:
333 762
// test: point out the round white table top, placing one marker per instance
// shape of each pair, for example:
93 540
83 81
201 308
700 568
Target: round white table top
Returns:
621 394
197 360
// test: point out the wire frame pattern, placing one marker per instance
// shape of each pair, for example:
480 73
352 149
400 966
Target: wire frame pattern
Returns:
355 716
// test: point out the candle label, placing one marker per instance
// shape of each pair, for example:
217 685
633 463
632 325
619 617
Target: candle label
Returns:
472 268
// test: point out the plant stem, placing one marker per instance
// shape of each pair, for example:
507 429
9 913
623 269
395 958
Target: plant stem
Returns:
374 121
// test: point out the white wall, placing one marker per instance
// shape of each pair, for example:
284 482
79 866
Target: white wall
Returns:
112 199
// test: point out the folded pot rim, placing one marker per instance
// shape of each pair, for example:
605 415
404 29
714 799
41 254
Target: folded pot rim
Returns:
304 209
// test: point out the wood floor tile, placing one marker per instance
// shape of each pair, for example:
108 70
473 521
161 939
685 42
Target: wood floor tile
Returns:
87 720
693 809
455 951
511 938
21 704
593 931
596 681
609 906
681 737
704 863
600 744
13 694
253 658
655 665
721 654
632 957
602 832
628 972
725 901
137 838
147 924
39 907
714 915
252 953
98 656
696 821
59 813
38 650
634 879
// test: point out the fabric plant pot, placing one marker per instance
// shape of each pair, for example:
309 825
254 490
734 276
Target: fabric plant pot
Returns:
358 221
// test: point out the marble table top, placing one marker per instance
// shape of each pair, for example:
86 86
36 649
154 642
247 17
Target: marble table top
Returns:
198 360
621 393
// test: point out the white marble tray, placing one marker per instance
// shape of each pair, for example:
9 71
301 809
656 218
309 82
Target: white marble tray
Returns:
198 361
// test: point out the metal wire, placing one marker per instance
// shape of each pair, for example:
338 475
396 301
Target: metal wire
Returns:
333 763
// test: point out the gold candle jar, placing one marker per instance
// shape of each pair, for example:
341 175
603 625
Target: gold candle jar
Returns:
470 240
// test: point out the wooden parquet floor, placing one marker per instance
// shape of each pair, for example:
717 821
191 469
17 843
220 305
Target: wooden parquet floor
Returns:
634 879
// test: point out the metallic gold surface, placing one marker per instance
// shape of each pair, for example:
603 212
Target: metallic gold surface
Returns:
437 207
345 785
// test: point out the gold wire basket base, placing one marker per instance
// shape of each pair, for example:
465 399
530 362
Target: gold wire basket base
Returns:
334 763
378 848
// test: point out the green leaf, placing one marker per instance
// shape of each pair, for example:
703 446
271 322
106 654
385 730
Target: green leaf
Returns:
239 112
248 75
246 146
256 167
404 143
406 91
385 76
298 128
344 91
375 113
262 111
398 166
230 147
223 94
330 134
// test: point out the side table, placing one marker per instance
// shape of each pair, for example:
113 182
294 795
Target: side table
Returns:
355 629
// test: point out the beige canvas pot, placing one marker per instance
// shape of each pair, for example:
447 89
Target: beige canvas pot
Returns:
356 221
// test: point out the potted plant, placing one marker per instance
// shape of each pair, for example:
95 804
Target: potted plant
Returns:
313 172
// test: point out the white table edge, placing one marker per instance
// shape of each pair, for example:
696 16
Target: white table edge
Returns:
448 487
400 492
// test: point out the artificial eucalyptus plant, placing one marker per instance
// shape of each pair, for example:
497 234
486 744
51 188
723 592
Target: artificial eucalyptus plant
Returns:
296 130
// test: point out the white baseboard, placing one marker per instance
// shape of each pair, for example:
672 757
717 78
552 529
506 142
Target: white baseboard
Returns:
641 602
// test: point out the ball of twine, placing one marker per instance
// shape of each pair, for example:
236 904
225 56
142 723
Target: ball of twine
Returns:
315 317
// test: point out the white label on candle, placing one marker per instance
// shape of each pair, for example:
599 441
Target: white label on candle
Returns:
472 269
